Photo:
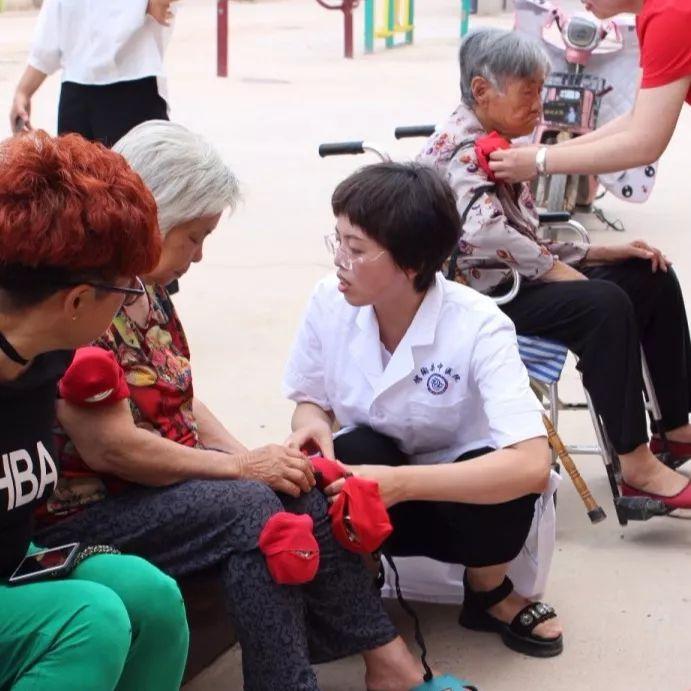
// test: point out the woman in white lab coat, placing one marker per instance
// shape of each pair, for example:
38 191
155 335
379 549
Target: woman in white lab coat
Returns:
419 373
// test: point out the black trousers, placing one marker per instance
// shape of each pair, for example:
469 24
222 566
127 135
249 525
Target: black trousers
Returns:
604 321
474 535
108 112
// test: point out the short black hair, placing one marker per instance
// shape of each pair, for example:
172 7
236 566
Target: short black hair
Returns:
407 208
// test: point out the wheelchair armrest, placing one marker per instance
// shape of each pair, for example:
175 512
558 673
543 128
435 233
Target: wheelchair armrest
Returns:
469 262
547 217
570 225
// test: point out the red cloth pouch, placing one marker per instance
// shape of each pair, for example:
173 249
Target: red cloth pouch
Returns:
290 548
484 146
326 471
359 519
94 378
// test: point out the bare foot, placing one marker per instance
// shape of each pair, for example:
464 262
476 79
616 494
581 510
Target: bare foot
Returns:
392 667
682 434
508 608
654 477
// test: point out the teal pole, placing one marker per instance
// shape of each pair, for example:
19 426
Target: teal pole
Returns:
369 26
465 16
391 21
411 20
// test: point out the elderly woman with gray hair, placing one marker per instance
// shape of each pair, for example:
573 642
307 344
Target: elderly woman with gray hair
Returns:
603 303
159 475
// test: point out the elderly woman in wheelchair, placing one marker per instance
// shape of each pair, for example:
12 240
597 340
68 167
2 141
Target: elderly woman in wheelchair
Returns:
603 303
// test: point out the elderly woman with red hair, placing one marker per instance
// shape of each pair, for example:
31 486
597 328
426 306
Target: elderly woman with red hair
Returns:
77 226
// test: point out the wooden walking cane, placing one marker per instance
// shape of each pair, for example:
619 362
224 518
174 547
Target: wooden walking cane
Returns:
595 512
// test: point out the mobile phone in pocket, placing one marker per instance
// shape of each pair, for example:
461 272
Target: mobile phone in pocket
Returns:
45 563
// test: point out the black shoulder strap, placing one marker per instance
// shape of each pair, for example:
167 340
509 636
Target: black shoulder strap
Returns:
11 353
453 259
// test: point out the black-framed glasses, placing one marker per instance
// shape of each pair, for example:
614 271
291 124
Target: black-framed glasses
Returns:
132 292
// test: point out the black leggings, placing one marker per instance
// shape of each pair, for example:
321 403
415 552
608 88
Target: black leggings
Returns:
474 535
604 321
108 112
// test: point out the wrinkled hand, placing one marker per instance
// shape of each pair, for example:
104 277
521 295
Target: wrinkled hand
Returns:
283 469
516 164
317 434
160 10
638 249
20 113
387 477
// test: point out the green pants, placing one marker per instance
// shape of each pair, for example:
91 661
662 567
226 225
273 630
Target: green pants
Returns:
116 622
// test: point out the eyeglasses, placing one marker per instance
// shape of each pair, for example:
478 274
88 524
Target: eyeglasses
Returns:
344 258
132 292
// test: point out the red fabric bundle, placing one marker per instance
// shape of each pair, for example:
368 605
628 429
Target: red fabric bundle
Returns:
94 378
359 519
326 471
290 548
484 146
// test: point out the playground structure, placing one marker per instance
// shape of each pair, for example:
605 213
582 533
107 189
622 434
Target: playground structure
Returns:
394 17
384 19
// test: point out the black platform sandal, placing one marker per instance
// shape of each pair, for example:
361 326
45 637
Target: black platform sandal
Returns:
518 635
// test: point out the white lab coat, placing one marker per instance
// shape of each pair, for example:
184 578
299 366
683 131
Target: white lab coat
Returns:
455 383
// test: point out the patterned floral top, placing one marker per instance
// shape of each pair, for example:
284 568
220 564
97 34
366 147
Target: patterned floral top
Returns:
502 222
156 361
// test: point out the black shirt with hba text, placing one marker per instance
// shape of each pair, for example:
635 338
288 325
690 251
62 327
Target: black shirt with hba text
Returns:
28 468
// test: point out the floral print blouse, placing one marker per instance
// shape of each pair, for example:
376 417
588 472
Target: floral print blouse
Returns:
156 361
502 222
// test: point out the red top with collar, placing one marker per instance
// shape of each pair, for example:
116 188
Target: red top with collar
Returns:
664 34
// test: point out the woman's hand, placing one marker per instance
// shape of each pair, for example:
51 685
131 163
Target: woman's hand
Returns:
388 478
316 433
160 11
638 249
20 113
283 469
516 164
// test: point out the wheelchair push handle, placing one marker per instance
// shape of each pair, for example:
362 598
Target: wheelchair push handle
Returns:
410 131
341 148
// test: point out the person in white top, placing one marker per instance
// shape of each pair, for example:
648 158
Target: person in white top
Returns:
111 55
420 372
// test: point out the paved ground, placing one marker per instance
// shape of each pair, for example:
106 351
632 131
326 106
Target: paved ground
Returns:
624 596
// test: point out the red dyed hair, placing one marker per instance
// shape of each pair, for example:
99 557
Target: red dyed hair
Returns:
70 204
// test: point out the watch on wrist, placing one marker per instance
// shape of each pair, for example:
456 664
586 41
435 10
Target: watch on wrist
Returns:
541 160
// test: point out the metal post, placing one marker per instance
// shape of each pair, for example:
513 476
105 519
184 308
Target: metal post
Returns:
390 22
409 35
369 26
465 17
222 38
348 28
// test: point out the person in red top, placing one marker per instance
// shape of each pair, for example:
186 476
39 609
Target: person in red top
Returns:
637 138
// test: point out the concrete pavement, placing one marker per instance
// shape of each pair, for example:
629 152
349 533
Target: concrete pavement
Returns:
624 596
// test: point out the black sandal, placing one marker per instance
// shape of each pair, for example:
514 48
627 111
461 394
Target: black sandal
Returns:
518 635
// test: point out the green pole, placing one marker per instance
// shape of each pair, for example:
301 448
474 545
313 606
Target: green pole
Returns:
391 21
465 16
369 26
409 35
